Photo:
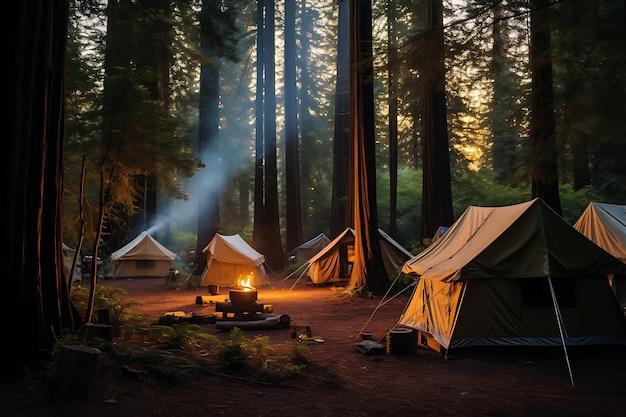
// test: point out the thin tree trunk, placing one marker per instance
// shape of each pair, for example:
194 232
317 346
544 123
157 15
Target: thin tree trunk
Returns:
393 119
292 153
258 230
543 161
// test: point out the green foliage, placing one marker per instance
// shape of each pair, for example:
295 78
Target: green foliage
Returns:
107 298
183 336
240 352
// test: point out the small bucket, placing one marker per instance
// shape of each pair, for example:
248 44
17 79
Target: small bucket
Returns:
400 341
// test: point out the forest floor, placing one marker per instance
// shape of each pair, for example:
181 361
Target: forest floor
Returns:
341 380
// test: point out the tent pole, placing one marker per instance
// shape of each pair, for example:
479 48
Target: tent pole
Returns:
190 274
559 321
303 272
289 276
383 301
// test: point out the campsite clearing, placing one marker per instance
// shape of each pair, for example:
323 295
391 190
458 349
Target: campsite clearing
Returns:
340 380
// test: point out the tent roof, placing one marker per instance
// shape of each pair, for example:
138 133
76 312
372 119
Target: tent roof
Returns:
348 236
320 240
143 247
518 241
233 249
605 224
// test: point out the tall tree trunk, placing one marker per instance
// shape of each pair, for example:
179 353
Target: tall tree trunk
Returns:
504 137
208 190
543 150
581 93
37 292
341 212
258 230
392 99
437 189
292 154
368 269
274 253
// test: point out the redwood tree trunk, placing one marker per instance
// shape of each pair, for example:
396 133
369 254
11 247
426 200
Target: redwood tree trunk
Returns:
368 269
437 189
292 154
36 296
341 214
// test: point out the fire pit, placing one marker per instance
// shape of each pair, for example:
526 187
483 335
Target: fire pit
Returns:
242 304
241 295
242 310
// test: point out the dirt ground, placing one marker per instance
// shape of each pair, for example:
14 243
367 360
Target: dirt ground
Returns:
343 381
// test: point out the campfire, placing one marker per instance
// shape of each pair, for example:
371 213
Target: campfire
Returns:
242 302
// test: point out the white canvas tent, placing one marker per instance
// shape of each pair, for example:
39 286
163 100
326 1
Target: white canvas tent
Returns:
500 276
231 259
605 225
334 263
309 248
142 257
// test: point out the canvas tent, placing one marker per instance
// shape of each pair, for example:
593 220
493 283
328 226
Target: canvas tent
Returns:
334 263
306 250
142 257
491 278
68 256
605 225
231 259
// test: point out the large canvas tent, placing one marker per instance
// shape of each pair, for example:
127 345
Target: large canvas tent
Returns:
500 276
334 263
605 225
231 259
143 256
308 249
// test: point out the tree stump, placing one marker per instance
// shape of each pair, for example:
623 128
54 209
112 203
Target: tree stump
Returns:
76 371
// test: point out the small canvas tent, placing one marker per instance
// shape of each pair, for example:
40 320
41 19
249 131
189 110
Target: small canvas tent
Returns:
230 259
605 225
500 276
68 256
305 251
142 257
334 262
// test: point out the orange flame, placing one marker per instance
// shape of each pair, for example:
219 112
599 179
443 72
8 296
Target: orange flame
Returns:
246 283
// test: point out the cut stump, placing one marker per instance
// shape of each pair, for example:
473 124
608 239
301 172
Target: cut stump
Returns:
76 371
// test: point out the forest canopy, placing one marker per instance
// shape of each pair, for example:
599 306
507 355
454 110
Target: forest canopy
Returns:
143 62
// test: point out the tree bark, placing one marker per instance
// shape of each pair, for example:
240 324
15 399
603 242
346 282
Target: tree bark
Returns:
341 211
76 370
208 192
37 290
543 152
368 269
437 188
292 153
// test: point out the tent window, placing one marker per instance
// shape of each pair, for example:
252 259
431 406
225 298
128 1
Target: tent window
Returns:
536 292
144 264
